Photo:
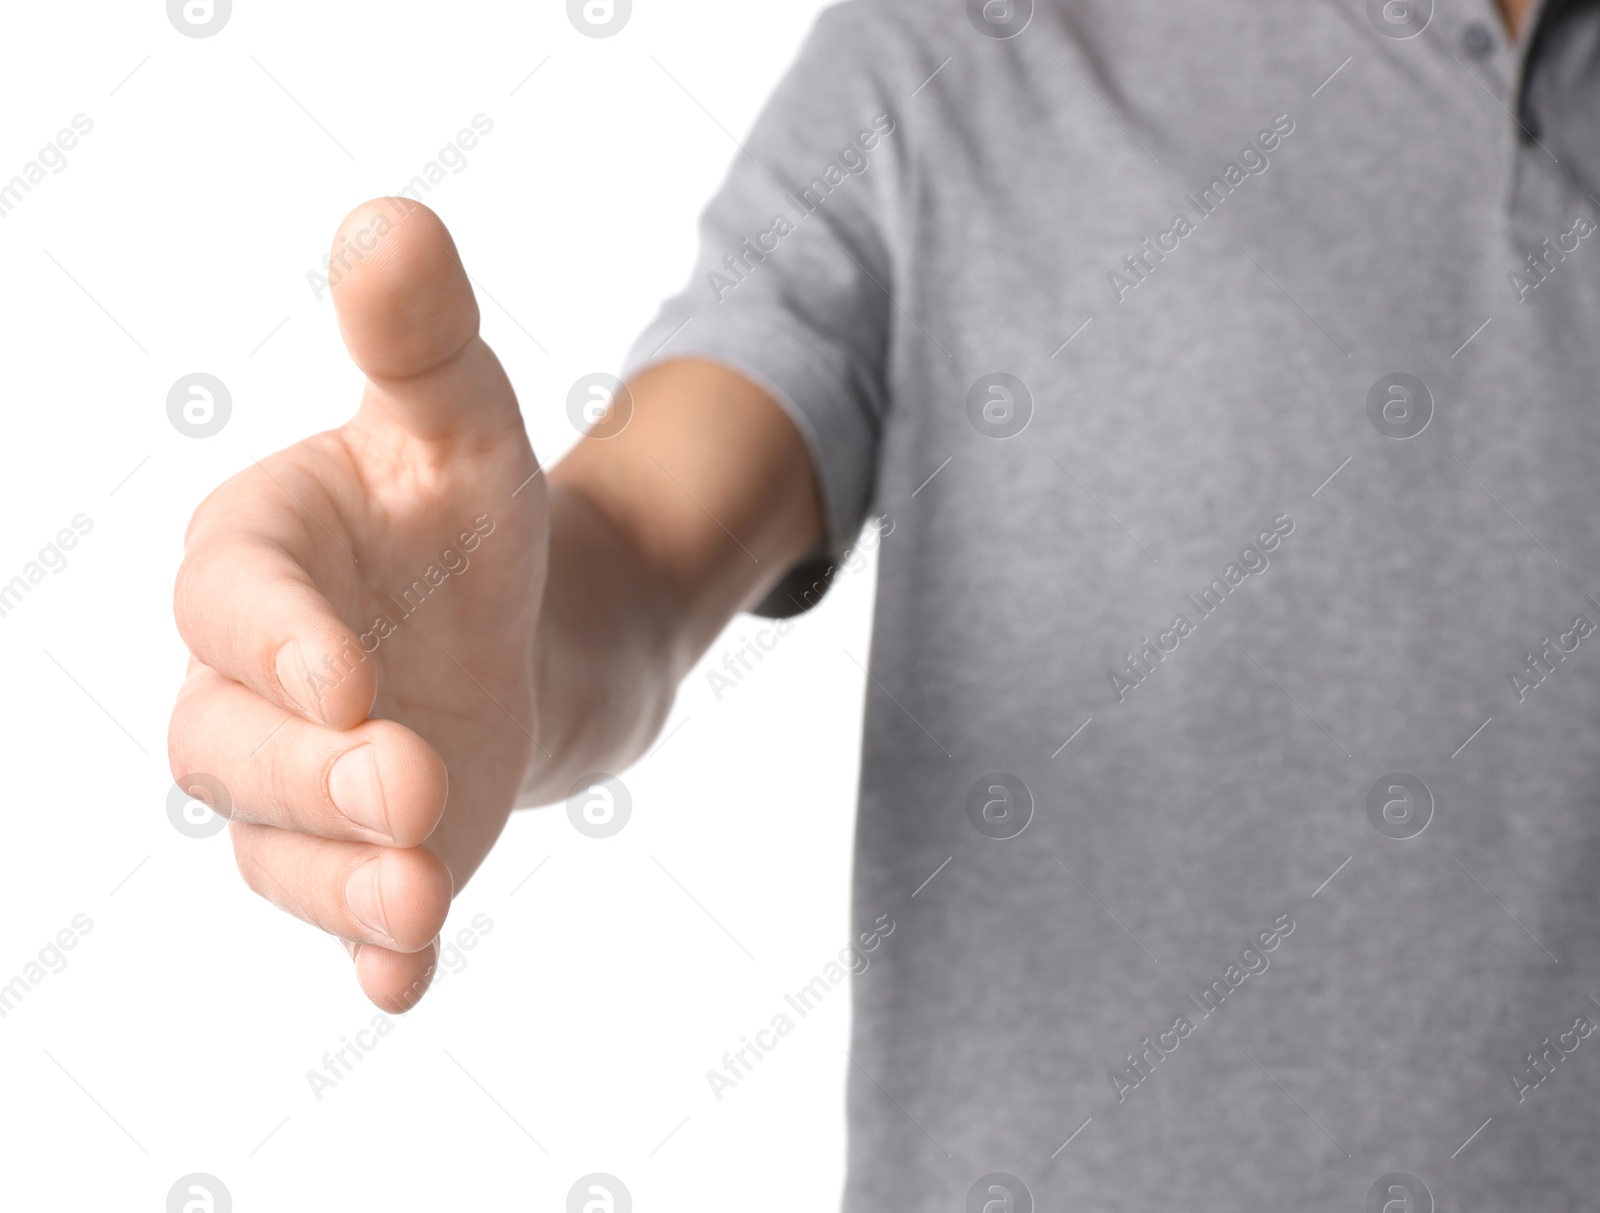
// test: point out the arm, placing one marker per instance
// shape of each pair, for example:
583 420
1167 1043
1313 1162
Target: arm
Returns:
658 536
400 628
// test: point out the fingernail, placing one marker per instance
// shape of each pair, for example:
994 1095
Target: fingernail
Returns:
354 788
290 667
361 895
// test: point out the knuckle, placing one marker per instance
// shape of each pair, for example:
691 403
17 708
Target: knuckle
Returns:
193 582
177 743
182 730
184 599
244 856
279 781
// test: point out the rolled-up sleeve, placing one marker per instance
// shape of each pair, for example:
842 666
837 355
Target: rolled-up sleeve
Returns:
790 284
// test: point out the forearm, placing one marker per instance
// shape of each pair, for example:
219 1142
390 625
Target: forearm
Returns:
608 655
659 535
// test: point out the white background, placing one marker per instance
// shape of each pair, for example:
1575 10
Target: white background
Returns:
178 239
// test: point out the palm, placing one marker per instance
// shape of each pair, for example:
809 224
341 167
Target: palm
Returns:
440 584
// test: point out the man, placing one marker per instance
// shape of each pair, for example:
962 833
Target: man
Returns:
1228 372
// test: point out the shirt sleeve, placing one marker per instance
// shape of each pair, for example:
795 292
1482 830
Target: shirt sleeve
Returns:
790 284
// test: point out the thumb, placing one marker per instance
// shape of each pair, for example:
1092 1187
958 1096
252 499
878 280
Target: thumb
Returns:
410 322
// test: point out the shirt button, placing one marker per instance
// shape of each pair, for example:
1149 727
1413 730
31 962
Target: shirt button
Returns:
1476 40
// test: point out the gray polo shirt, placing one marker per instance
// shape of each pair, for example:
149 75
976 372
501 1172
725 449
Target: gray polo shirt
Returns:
1229 374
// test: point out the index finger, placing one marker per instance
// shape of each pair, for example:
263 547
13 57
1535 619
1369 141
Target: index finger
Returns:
251 611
